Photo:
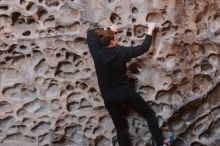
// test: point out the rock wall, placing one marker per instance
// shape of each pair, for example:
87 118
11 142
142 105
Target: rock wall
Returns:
48 87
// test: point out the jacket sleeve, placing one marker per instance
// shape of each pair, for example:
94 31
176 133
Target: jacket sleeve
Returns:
126 53
92 42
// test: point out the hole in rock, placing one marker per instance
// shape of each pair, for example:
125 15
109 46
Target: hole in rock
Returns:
29 6
134 10
4 7
41 11
133 20
3 63
15 16
51 3
87 70
154 17
160 59
129 33
7 58
111 1
188 32
185 81
26 33
59 27
206 67
139 31
196 144
28 55
69 87
217 17
30 20
23 47
115 18
22 1
167 23
58 55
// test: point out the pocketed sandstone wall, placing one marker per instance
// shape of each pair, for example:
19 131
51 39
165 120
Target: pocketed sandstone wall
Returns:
48 86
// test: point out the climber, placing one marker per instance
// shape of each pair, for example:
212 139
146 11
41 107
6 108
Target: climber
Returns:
110 60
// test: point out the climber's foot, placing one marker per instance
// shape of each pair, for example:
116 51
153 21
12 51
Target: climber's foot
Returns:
168 140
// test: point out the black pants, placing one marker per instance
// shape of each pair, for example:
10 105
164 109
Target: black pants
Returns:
113 100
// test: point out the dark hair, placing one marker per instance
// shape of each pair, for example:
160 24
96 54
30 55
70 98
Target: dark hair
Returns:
104 36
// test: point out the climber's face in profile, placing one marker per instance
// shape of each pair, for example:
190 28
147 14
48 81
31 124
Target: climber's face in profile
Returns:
113 42
106 38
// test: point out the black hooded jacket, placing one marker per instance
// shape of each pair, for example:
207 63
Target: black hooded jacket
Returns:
110 63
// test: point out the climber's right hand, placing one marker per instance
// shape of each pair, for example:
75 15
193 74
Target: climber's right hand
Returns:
114 28
151 27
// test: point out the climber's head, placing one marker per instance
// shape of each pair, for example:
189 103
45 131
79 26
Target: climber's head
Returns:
106 37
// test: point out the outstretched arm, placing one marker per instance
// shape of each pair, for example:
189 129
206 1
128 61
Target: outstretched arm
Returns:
92 41
131 52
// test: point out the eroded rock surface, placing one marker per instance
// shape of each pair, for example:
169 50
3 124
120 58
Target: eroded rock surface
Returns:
48 87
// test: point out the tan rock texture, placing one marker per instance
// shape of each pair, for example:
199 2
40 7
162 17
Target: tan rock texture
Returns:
48 87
